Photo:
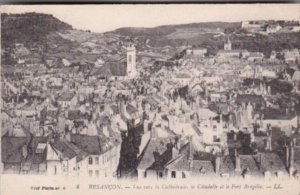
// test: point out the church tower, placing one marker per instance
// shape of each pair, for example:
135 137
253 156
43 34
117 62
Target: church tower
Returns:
227 46
131 61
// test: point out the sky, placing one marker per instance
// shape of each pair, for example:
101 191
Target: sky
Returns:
103 18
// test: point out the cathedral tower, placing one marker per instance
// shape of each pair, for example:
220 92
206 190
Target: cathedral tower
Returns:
227 46
131 61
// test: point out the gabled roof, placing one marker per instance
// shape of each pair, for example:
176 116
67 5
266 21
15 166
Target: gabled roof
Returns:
250 162
131 109
270 161
66 97
158 145
296 76
11 150
102 71
227 164
88 144
110 69
36 157
64 149
118 69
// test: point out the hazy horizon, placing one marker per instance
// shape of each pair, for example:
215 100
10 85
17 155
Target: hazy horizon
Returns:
104 18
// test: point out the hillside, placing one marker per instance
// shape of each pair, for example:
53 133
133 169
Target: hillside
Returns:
44 35
30 29
212 36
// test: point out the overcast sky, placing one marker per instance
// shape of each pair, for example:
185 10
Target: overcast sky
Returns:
102 18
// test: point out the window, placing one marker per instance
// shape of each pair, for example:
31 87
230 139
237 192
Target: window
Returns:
145 174
173 174
160 174
129 58
183 175
97 160
97 173
90 160
90 173
65 166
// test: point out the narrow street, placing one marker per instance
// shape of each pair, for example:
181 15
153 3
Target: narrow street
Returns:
129 152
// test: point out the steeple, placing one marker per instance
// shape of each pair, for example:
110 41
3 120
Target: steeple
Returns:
131 61
227 45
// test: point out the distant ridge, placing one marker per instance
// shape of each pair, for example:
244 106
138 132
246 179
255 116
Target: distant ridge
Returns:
28 28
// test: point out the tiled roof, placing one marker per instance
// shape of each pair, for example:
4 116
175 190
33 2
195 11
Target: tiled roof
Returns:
250 98
34 157
74 114
158 145
64 149
110 69
204 168
249 162
180 163
80 153
89 144
276 114
118 69
66 97
131 109
102 71
227 164
11 149
270 161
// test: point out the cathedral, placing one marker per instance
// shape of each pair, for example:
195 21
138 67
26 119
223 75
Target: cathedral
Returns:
118 68
227 46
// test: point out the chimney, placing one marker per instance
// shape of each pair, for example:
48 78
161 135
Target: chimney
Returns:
234 136
269 143
287 156
217 164
269 90
122 108
191 153
237 162
175 151
292 160
68 136
252 137
176 143
153 132
259 161
146 126
24 151
156 155
221 120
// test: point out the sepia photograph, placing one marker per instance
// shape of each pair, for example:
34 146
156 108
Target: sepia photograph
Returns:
150 98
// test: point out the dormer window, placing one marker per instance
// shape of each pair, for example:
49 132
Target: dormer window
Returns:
202 170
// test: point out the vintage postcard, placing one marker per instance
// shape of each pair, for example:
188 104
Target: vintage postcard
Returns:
150 99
